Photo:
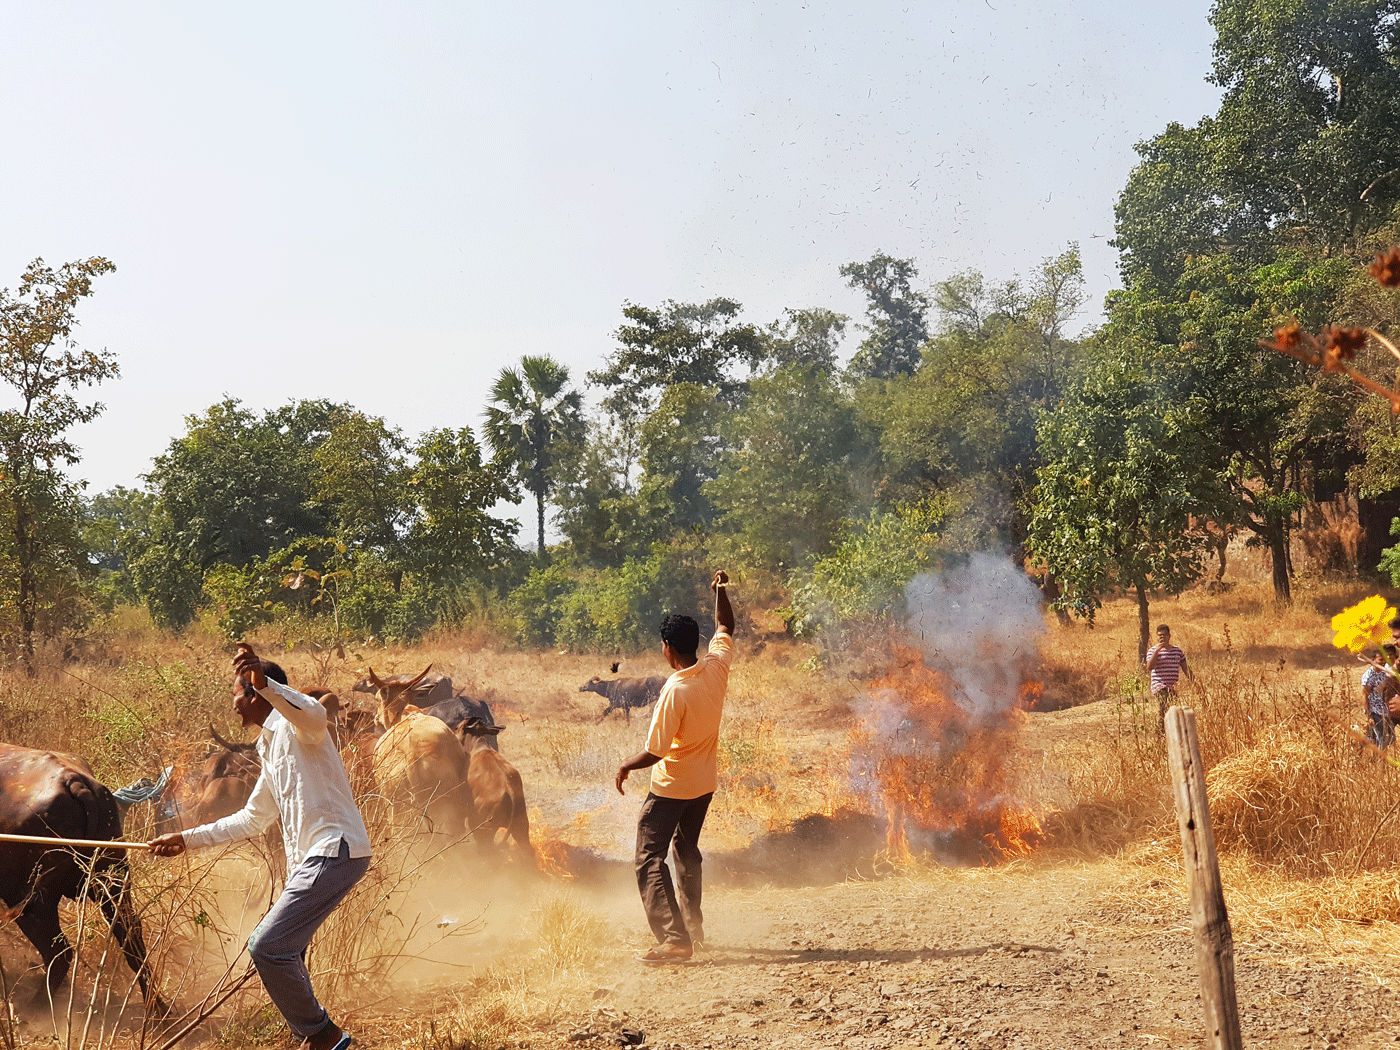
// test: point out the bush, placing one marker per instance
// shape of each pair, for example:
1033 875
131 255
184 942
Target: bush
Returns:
863 580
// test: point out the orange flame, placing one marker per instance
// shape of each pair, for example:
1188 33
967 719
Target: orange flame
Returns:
938 767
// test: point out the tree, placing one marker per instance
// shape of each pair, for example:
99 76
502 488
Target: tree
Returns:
41 362
454 533
786 485
530 414
699 343
233 489
964 424
1304 150
807 338
1273 423
1123 484
897 316
362 475
116 526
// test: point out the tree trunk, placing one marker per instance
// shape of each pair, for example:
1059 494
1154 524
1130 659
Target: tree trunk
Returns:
539 509
1278 554
27 598
1143 622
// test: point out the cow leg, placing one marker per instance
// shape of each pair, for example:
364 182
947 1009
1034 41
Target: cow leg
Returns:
126 928
39 923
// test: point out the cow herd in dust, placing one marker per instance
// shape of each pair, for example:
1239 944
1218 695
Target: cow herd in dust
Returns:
431 753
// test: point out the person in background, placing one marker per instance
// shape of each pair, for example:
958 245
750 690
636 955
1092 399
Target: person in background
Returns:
1166 663
683 750
303 782
1377 687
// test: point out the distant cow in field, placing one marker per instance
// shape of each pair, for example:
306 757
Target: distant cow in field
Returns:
56 796
419 762
625 693
496 796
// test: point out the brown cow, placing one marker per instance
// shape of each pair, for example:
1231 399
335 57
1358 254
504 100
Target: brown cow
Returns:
224 782
496 801
418 762
42 793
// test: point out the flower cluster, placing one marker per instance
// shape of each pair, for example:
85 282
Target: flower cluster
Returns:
1364 625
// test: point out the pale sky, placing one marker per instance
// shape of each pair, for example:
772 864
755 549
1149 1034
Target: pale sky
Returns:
387 203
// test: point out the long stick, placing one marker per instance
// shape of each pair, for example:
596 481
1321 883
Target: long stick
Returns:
45 840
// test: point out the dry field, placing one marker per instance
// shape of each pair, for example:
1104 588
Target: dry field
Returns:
820 934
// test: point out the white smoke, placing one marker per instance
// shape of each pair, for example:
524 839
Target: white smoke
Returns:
979 624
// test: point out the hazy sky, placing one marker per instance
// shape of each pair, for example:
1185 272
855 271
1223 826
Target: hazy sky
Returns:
386 203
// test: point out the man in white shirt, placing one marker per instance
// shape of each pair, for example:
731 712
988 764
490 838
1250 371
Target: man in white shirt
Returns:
303 783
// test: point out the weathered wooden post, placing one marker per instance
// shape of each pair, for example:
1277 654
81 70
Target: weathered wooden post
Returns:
1215 947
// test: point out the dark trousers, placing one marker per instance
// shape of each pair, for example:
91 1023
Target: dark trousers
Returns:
668 823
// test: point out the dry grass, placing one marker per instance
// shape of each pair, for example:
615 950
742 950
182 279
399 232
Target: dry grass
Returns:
1305 817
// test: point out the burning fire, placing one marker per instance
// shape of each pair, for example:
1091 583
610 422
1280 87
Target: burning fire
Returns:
936 767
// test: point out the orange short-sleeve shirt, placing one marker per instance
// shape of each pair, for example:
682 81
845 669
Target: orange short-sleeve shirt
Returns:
685 724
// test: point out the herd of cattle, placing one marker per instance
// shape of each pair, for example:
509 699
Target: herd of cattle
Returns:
431 753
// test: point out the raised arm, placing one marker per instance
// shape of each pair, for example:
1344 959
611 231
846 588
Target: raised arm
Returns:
724 613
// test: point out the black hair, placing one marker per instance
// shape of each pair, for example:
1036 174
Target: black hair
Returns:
1394 624
1390 650
1163 627
681 633
269 670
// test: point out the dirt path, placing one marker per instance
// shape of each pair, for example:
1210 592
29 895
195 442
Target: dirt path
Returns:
1028 956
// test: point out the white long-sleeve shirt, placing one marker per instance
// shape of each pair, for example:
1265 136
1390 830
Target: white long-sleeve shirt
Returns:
303 783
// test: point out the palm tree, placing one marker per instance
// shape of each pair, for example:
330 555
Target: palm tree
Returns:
529 415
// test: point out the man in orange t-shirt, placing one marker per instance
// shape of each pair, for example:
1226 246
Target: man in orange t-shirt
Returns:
683 753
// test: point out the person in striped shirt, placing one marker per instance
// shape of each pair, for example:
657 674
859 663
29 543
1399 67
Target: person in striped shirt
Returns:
1165 665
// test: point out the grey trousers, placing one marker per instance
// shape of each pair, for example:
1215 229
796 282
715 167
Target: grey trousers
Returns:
279 943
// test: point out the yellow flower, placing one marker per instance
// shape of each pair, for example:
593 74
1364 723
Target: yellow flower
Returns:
1364 624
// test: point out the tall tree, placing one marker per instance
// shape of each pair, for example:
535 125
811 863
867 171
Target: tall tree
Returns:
236 487
1304 150
453 533
531 412
41 362
701 343
1123 484
897 316
362 473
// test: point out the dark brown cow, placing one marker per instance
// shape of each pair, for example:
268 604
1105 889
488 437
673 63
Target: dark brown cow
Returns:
42 793
496 795
625 693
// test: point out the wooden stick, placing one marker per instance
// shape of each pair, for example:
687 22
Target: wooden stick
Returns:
44 840
1215 945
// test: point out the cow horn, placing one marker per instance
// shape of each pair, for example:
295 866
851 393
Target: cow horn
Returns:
418 678
376 681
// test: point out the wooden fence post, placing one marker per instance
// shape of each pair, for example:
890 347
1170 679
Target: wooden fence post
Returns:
1215 947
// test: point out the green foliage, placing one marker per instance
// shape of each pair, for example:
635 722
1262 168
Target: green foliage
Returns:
694 343
964 424
1390 557
1273 423
863 579
453 536
786 484
1124 483
896 314
42 560
1304 150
